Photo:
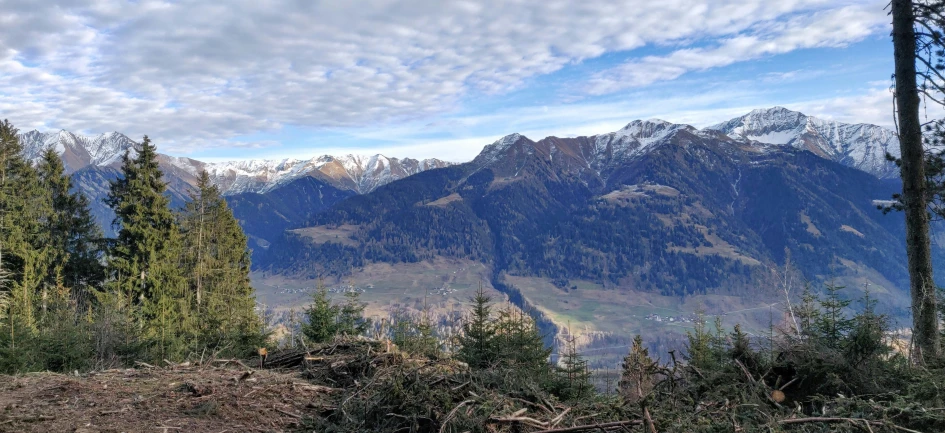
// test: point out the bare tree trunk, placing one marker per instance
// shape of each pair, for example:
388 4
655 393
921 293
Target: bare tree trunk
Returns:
918 250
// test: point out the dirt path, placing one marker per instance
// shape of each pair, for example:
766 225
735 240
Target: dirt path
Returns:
182 399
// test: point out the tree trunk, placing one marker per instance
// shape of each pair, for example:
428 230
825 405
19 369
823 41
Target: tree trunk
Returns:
918 250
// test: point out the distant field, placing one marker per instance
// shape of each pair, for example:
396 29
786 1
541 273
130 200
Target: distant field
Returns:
442 285
322 234
604 321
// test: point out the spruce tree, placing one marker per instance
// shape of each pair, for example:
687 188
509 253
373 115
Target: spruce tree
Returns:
832 324
477 342
217 264
573 376
322 316
24 250
521 345
351 320
637 376
74 238
144 262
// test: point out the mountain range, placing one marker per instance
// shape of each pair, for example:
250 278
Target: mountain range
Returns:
94 160
654 205
584 229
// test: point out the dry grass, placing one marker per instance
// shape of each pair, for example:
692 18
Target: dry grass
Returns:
324 234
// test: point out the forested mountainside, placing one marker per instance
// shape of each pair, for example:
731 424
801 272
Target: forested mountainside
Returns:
656 206
270 197
94 160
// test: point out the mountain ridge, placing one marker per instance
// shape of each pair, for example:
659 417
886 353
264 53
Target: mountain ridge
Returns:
862 146
357 173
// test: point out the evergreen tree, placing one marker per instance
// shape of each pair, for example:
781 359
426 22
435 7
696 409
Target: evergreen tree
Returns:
637 376
217 264
351 320
909 90
521 345
741 347
322 315
477 341
832 323
866 337
24 250
415 334
144 262
573 377
74 239
701 348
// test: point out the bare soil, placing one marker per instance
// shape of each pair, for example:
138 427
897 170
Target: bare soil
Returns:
209 398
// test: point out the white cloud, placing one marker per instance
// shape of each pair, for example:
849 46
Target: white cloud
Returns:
198 73
874 106
831 28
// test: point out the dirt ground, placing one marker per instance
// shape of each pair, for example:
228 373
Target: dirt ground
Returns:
210 398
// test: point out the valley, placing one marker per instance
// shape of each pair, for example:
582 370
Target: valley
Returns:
606 236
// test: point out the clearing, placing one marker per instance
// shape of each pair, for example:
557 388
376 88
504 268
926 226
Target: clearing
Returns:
207 398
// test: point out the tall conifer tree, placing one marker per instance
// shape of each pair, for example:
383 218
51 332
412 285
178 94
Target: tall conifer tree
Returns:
24 253
145 259
74 238
217 264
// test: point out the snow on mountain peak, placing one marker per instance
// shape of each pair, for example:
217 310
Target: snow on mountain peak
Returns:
860 146
76 150
360 173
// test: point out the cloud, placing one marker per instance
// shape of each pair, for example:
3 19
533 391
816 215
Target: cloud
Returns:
831 28
197 74
875 106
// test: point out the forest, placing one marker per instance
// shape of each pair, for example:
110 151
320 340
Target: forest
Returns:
170 284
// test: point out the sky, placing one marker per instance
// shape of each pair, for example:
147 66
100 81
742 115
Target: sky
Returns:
241 79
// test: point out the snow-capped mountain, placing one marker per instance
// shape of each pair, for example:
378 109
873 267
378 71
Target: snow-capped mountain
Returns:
77 151
595 153
360 174
860 146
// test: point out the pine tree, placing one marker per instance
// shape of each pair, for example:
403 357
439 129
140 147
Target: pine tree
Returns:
24 251
912 168
832 323
351 320
415 334
322 316
217 264
573 376
740 349
477 342
865 340
521 345
74 238
701 348
144 262
636 378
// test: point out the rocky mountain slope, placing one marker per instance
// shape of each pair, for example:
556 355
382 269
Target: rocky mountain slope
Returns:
861 146
654 207
357 173
94 160
682 187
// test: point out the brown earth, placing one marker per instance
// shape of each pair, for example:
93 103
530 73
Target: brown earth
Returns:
209 398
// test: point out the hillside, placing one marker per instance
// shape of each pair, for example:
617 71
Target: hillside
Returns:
253 185
655 209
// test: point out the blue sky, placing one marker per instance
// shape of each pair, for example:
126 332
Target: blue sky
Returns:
419 78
